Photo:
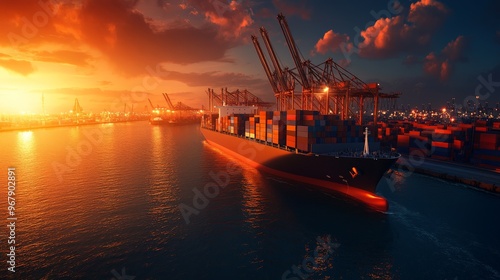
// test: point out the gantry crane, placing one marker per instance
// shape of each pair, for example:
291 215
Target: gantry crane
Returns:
326 87
76 107
179 106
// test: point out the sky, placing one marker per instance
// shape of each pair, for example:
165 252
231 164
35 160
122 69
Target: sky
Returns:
108 53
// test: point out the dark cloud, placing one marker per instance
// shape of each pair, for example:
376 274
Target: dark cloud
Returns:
212 79
411 59
232 18
131 43
293 8
265 13
442 65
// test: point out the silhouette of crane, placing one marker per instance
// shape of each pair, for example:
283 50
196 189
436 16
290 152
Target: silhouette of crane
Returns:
76 107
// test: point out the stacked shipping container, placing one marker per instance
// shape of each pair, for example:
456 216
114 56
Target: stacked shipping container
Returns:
477 142
296 129
487 148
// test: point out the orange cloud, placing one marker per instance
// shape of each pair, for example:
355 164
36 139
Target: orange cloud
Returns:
385 38
232 18
31 23
331 41
64 56
388 37
427 13
127 38
22 67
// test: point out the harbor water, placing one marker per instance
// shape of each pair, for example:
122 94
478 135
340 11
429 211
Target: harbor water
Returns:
136 201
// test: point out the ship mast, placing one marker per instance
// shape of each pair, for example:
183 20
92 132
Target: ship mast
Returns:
366 150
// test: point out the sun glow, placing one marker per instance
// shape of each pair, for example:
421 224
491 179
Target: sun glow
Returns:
18 102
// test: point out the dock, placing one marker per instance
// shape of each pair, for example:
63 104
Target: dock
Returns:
467 174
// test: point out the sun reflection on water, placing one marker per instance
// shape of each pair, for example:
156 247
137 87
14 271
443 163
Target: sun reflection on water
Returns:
25 144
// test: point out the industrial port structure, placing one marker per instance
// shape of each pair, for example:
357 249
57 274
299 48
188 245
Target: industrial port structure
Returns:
236 98
330 89
326 87
173 114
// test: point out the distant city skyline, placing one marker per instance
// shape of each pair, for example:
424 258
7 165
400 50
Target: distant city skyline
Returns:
111 53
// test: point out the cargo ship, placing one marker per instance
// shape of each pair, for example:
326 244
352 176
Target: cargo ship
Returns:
304 146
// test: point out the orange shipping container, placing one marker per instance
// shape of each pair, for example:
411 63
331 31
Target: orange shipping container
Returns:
291 141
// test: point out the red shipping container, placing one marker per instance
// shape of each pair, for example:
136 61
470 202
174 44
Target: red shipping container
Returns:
403 140
458 144
441 144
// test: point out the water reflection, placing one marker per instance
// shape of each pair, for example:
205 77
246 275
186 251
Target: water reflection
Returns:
253 200
119 208
25 144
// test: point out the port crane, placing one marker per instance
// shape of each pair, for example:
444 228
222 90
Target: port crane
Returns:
326 87
76 107
169 103
179 106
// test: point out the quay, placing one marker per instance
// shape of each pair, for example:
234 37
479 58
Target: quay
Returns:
467 174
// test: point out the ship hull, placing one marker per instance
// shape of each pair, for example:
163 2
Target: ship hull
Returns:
356 177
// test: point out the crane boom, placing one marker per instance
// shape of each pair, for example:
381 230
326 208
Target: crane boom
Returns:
264 63
294 52
169 103
151 103
274 59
